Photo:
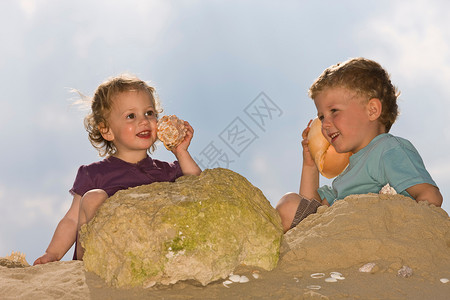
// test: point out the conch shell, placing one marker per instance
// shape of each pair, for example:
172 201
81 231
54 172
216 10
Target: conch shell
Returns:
15 260
171 131
328 161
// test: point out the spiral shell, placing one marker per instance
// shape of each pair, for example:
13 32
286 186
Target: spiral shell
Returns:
171 131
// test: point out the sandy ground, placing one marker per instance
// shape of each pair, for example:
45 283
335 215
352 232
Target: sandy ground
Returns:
68 280
390 232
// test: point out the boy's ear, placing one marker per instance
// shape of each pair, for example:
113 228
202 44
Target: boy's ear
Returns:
106 133
374 108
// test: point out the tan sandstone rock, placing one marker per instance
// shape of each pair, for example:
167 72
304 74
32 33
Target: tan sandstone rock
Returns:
392 230
199 227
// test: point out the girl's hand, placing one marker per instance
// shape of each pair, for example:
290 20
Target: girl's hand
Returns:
187 163
184 145
46 258
307 158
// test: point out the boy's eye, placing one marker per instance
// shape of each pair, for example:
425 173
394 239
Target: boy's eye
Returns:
131 116
320 118
150 113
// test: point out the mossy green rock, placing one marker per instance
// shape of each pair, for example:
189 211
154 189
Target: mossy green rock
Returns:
199 227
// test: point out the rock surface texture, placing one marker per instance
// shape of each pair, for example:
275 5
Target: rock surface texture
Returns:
199 227
389 230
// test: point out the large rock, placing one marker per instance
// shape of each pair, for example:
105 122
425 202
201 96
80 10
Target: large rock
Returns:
389 230
199 227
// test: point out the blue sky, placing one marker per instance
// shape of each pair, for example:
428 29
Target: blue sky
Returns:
212 63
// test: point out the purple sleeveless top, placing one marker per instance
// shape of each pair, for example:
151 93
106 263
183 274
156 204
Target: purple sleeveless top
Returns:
113 174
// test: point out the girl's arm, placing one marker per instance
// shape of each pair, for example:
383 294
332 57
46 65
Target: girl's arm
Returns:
426 192
309 182
64 236
187 163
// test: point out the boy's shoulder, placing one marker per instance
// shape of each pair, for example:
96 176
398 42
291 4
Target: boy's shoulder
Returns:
389 141
389 147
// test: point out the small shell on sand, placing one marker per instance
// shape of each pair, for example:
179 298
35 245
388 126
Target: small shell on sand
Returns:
148 284
444 280
405 272
314 287
226 283
317 275
330 279
367 268
234 277
337 275
15 260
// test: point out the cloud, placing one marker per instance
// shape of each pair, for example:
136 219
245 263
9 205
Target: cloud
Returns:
412 39
143 23
28 7
29 209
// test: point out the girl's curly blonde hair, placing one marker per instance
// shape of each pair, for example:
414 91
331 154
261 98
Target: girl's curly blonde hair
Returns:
101 105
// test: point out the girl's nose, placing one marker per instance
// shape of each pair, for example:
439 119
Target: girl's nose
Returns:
144 119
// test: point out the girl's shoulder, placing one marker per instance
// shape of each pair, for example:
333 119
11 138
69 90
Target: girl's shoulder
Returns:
104 164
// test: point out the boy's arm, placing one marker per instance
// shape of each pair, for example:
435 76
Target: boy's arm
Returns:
64 236
309 182
426 192
187 163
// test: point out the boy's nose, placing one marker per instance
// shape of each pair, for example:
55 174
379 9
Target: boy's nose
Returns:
326 123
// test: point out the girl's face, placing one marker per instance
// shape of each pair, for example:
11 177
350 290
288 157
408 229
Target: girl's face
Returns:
346 123
132 125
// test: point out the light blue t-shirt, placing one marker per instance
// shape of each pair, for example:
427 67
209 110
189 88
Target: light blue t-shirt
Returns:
386 159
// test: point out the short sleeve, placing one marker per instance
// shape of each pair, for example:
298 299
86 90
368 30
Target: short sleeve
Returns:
326 192
83 182
403 167
170 171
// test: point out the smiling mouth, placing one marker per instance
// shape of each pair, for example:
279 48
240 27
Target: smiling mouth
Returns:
144 134
333 136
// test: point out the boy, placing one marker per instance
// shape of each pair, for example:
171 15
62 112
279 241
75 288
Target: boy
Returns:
357 105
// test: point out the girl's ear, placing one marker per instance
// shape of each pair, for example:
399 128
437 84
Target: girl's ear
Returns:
106 132
374 108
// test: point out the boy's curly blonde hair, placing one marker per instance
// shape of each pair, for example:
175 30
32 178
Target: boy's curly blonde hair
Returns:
101 105
365 77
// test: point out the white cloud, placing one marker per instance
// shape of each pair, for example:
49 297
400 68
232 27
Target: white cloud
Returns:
413 39
29 209
28 7
125 25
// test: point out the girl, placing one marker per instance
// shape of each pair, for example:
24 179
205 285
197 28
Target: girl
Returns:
122 125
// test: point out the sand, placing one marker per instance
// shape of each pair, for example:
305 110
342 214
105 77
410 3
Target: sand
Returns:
390 233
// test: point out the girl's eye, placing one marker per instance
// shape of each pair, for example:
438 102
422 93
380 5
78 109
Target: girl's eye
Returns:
131 116
150 113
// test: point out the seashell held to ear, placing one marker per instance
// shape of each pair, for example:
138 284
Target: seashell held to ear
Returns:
328 161
171 131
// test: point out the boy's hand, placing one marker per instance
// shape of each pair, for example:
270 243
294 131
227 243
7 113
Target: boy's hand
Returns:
307 157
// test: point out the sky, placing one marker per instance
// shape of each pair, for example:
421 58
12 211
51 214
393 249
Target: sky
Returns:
224 66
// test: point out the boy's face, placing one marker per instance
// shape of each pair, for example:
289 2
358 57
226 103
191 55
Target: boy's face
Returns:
345 119
132 125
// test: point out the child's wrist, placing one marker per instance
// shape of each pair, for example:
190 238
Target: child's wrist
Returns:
181 153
